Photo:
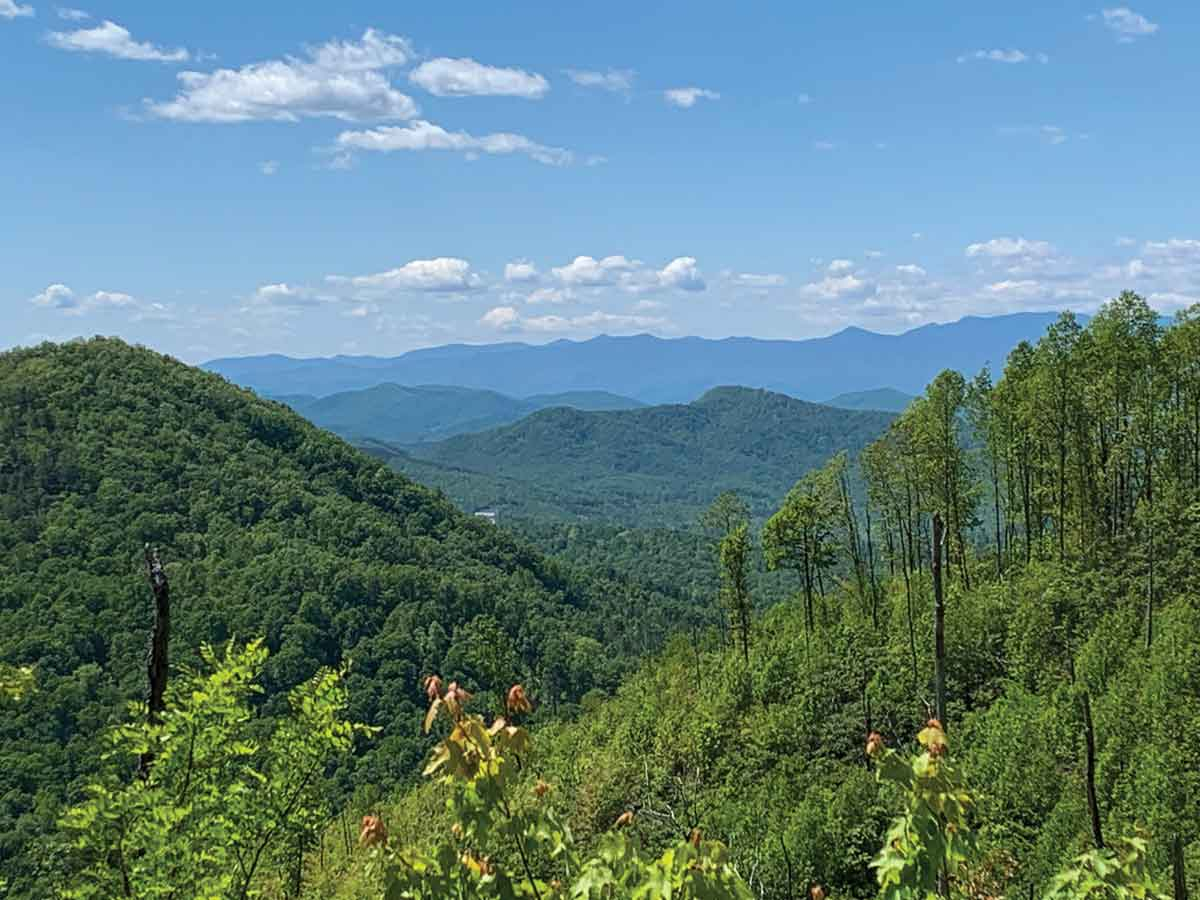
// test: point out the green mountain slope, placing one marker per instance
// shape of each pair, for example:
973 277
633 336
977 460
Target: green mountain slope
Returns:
409 415
888 399
659 464
268 526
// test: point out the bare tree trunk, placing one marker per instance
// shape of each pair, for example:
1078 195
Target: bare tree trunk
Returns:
1093 806
939 622
156 653
1178 876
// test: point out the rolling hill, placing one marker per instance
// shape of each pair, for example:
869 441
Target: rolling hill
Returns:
658 370
268 526
655 465
410 415
887 399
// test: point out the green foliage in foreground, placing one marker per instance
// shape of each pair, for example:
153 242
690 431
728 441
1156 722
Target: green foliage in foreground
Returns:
226 796
223 805
766 757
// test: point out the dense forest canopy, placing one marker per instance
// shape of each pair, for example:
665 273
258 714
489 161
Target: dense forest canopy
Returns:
659 465
269 527
1006 571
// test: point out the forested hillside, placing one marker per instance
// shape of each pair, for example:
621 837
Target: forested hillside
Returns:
880 398
268 527
1059 648
408 415
658 465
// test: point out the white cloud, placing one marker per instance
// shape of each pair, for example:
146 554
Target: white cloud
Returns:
1127 25
444 77
1006 248
757 281
683 274
873 254
287 296
501 318
615 80
110 300
1174 250
1012 57
550 295
804 99
421 135
584 271
912 270
268 167
840 265
1170 300
520 272
56 296
341 80
847 287
110 38
62 298
1126 242
446 275
685 98
507 318
9 9
824 146
72 15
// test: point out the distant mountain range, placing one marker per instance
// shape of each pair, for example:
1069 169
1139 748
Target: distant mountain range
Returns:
411 415
654 465
662 370
888 399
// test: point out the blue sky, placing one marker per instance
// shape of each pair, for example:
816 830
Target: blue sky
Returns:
236 178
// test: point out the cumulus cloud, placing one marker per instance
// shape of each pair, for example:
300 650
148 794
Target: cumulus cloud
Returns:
72 15
586 271
10 9
686 97
912 270
344 80
111 39
832 288
840 265
288 296
445 275
1126 24
501 318
520 272
1007 248
615 80
507 318
1012 57
422 135
56 296
444 77
61 298
683 274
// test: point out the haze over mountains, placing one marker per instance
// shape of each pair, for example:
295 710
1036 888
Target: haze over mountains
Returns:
660 370
410 415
